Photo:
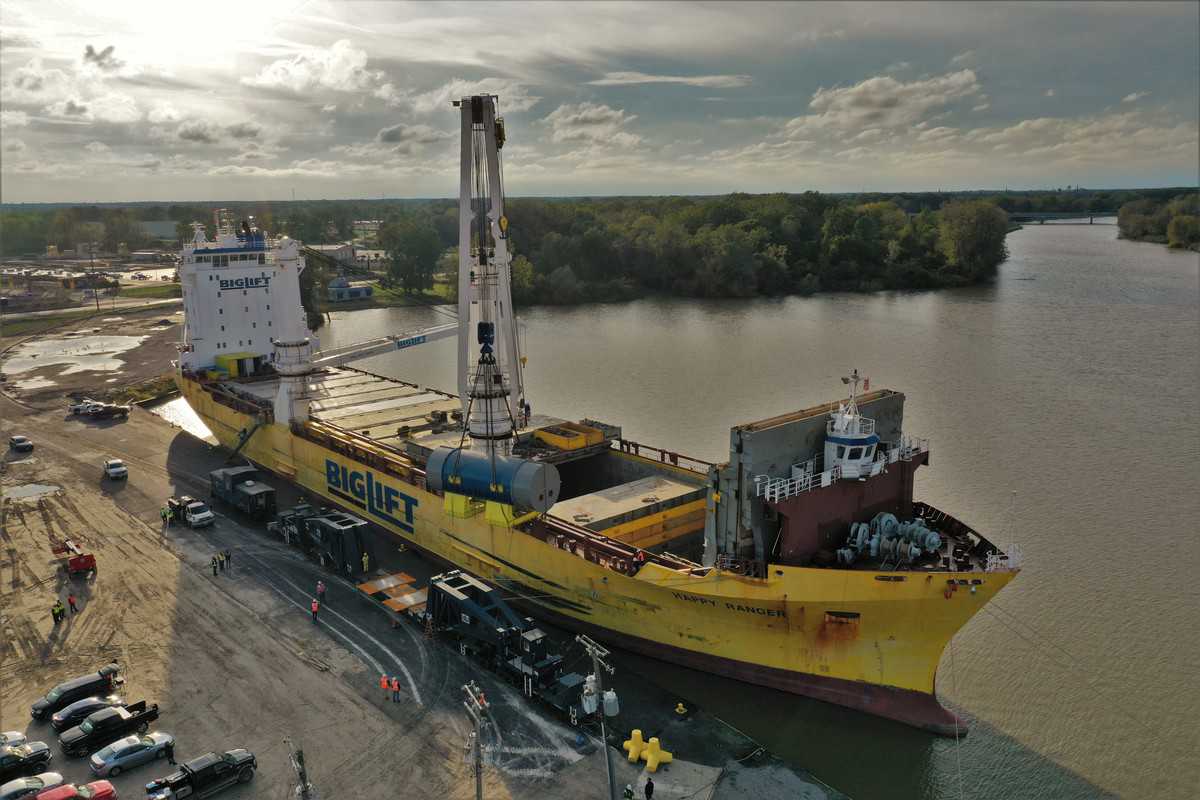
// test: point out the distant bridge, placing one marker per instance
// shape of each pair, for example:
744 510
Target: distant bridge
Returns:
1040 217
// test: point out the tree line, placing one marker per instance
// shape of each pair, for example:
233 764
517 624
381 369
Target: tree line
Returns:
1171 221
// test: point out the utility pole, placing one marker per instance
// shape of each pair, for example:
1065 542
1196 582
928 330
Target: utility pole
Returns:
598 654
476 707
92 270
304 790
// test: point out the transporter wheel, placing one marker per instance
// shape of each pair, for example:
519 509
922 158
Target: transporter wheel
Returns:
114 772
245 774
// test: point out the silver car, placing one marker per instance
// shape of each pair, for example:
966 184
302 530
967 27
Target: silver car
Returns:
28 787
12 739
132 751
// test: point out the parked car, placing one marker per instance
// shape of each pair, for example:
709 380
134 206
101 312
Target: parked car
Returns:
24 759
67 692
115 469
204 776
12 739
96 790
22 444
80 710
83 406
29 787
107 726
132 751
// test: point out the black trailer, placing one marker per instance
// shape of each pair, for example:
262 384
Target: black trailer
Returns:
333 538
489 630
242 488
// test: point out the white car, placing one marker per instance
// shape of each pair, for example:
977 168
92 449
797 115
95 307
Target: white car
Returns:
115 469
28 787
12 739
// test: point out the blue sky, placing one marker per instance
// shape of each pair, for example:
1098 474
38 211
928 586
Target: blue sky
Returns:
139 101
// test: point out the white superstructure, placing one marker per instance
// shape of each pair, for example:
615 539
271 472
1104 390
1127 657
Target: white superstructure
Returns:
241 294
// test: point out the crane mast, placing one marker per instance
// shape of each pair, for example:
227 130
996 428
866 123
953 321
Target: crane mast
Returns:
490 382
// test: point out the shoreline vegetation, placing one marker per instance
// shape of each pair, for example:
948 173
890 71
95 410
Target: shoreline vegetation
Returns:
612 249
1174 222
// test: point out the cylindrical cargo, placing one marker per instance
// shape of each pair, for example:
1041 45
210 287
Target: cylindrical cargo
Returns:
515 481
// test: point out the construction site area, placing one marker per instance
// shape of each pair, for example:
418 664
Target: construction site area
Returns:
233 656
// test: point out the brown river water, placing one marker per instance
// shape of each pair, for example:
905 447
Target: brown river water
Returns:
1063 405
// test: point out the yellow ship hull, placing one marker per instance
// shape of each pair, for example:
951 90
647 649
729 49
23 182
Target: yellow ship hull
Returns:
864 639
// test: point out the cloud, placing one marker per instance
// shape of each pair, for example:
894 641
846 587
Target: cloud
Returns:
1048 93
340 68
14 146
13 119
199 131
513 95
412 134
591 123
103 60
963 59
329 108
15 40
244 130
1133 97
67 108
981 107
706 81
164 112
96 147
899 66
881 102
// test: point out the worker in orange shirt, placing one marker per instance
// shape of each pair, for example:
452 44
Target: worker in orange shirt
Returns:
395 689
386 685
315 608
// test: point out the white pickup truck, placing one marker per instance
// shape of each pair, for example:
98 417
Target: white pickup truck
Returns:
115 469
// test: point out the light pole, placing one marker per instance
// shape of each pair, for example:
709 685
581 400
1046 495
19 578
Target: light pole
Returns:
476 707
598 653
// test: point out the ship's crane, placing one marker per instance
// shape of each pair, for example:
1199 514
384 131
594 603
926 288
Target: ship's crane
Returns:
337 356
489 378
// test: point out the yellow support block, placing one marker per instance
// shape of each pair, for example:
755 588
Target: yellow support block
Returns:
635 745
460 506
654 755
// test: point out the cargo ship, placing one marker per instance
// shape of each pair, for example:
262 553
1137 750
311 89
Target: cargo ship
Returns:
803 563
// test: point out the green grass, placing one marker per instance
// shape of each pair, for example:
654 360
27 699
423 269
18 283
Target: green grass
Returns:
150 291
32 325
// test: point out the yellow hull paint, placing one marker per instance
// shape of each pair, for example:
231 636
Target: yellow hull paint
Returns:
782 622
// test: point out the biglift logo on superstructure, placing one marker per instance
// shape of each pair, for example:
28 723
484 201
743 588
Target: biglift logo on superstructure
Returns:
363 488
262 281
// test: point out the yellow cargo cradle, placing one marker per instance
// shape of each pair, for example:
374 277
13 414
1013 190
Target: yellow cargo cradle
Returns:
569 436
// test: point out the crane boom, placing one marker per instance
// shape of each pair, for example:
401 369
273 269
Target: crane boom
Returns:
337 356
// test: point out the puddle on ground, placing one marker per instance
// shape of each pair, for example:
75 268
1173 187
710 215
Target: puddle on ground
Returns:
112 319
28 491
29 384
80 354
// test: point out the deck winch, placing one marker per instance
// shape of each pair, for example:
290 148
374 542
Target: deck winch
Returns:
885 537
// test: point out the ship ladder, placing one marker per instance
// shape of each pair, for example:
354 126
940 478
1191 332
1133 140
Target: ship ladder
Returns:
243 437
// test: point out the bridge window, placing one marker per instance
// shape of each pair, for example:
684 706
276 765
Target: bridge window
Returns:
253 324
210 276
268 321
262 258
222 327
224 261
855 453
841 451
243 292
